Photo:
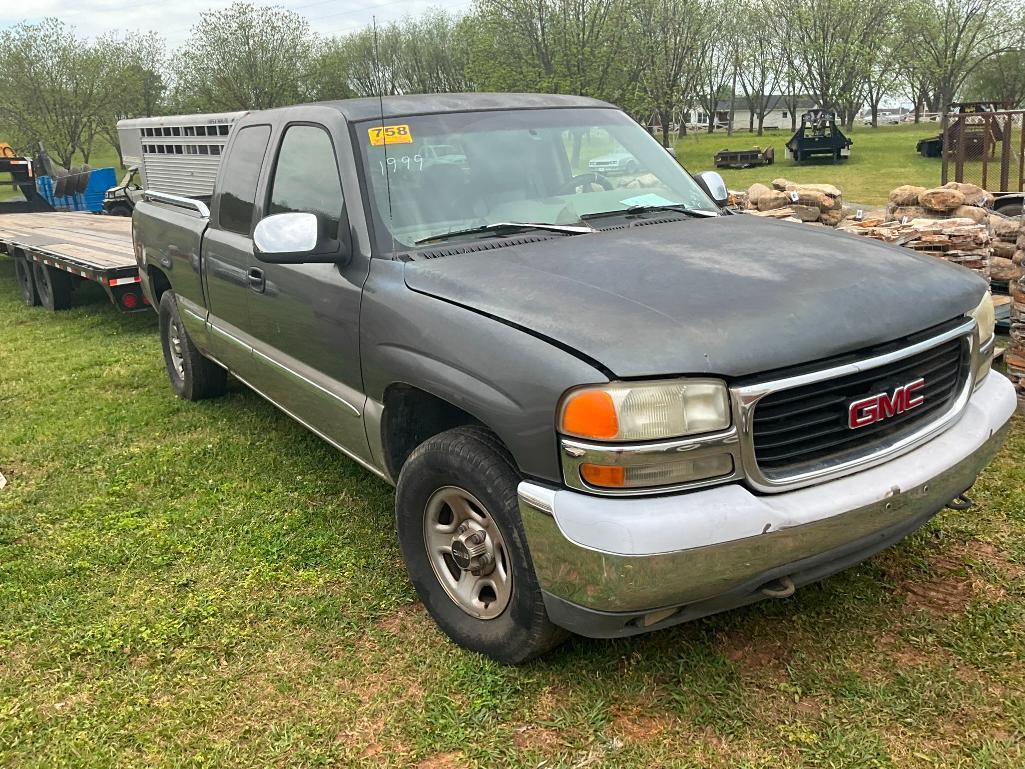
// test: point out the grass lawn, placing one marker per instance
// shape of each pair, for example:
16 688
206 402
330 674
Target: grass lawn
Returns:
881 159
210 585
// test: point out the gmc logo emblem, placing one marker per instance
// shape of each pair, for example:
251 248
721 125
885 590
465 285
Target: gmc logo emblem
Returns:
874 408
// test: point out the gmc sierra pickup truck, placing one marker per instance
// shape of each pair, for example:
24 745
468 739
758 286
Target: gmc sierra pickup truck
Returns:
608 405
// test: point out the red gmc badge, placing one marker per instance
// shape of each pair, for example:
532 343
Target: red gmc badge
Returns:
875 408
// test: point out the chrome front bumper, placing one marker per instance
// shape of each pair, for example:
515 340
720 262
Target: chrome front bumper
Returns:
617 566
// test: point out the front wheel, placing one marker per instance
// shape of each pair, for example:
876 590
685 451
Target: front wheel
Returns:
464 547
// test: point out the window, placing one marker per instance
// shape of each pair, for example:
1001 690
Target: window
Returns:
784 113
201 130
203 149
190 130
190 149
215 149
167 131
238 190
176 131
222 130
306 176
177 149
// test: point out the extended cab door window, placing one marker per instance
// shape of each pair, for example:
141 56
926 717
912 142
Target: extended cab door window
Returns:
241 174
306 177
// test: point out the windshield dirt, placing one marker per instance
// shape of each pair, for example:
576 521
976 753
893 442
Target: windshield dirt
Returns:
458 171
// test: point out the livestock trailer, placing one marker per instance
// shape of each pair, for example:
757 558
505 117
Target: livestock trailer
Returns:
176 154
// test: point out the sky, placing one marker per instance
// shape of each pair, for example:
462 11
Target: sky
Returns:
173 18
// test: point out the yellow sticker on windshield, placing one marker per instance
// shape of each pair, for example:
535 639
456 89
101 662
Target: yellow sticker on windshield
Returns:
391 134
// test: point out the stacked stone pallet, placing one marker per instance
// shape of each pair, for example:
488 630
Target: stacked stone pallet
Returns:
811 203
1015 355
953 200
961 241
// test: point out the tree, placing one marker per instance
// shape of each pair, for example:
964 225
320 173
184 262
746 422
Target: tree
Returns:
52 89
245 57
674 37
762 63
1000 79
719 62
951 38
135 85
832 44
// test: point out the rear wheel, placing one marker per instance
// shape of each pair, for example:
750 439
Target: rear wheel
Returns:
193 376
119 209
53 286
26 282
464 547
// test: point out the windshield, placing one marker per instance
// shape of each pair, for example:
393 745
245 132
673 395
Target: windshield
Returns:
458 171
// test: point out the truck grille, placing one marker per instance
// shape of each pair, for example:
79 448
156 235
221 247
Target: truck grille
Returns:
801 428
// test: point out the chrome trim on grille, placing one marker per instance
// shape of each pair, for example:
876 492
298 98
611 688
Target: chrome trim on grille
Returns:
744 400
576 453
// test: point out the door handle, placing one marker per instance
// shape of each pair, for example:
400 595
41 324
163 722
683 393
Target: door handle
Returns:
256 280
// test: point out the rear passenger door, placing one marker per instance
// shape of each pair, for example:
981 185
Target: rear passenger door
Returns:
228 249
305 317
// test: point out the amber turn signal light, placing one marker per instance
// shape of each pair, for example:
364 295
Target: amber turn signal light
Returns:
590 414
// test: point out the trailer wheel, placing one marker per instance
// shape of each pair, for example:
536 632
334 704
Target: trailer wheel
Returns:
53 286
27 283
193 376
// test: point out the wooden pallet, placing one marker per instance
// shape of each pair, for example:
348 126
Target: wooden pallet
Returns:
90 240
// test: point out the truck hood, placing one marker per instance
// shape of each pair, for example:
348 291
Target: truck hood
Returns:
731 295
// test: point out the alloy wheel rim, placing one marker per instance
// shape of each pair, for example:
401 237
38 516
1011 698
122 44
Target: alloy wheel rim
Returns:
177 358
467 552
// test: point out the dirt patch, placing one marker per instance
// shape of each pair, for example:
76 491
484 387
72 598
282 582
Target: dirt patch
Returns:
993 556
754 653
531 737
410 618
636 726
443 761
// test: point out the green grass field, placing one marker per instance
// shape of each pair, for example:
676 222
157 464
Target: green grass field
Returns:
881 159
209 585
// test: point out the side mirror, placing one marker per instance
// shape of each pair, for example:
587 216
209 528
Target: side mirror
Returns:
295 238
714 186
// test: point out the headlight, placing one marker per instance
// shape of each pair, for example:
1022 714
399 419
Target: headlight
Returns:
645 411
986 317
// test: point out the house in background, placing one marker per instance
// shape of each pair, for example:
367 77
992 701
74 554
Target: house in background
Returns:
777 117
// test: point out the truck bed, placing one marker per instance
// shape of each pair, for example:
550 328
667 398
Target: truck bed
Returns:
89 246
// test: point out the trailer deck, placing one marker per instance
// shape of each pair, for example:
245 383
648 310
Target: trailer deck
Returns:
84 246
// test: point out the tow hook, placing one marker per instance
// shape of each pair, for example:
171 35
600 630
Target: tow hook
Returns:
960 502
781 587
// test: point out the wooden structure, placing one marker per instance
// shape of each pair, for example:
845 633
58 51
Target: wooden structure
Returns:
990 153
55 251
744 158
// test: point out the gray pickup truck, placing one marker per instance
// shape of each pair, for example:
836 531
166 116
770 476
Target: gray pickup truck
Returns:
608 406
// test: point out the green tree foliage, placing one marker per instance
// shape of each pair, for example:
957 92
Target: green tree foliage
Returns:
52 89
1000 79
244 57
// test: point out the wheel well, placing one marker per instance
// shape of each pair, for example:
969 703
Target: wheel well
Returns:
158 283
411 416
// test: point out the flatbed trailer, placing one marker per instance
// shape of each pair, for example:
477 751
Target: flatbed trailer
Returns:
55 251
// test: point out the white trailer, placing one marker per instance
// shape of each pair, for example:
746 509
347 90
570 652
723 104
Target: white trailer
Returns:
178 154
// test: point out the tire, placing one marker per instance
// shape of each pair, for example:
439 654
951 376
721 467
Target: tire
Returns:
26 281
470 465
193 376
53 286
119 209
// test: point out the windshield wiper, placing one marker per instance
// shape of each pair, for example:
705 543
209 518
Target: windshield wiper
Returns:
501 228
635 210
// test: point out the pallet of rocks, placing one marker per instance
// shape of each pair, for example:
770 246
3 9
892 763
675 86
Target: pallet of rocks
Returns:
810 203
954 200
960 241
1014 358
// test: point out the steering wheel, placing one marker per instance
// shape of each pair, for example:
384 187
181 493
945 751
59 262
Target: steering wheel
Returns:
581 180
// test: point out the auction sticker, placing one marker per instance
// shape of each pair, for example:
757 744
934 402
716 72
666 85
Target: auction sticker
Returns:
392 134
